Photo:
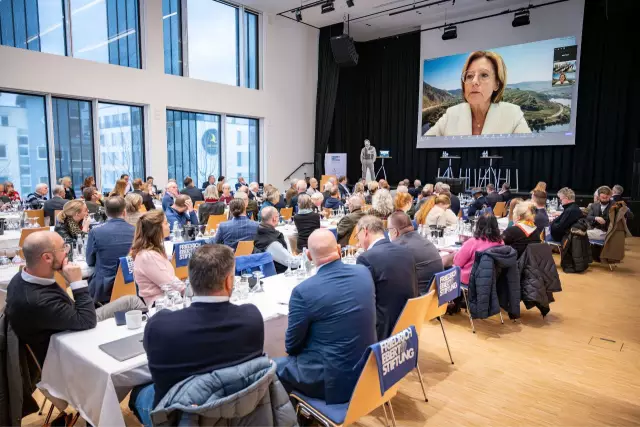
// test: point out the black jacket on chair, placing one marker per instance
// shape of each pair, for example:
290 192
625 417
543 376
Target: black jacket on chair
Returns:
561 225
495 283
147 201
576 249
538 277
207 209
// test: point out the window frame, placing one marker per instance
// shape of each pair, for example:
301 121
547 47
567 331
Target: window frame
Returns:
6 153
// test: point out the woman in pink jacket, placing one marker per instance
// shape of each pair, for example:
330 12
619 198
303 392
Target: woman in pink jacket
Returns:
486 235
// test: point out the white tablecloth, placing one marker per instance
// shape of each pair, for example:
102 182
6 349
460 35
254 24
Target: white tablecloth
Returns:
9 240
6 274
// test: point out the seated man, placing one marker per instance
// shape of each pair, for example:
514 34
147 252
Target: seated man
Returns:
301 187
56 203
425 254
598 214
331 324
334 201
270 240
478 204
170 193
250 205
208 335
147 200
38 307
570 215
505 193
342 186
326 193
455 201
416 189
348 222
190 190
181 212
239 228
106 243
539 199
393 270
616 196
492 196
36 199
91 197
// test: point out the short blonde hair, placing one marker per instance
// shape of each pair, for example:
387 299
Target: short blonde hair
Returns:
523 211
132 201
499 68
70 209
372 186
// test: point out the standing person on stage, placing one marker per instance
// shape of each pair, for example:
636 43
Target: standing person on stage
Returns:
367 158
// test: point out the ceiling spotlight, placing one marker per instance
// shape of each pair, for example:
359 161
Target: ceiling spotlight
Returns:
298 15
521 18
450 32
328 7
350 3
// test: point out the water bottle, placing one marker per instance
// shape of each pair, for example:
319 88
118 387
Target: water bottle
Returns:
243 287
23 219
188 293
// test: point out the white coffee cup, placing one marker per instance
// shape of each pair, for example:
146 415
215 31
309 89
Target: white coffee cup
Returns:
134 319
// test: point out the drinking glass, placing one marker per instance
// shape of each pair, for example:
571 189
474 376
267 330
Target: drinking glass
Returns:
290 263
243 288
16 259
258 286
301 273
4 261
236 289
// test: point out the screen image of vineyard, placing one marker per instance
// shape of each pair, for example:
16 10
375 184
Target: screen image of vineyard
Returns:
540 79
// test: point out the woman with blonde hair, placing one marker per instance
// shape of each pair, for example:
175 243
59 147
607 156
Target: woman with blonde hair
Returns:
152 270
440 214
404 202
73 221
372 187
132 203
359 189
381 204
69 193
524 231
120 189
512 205
211 206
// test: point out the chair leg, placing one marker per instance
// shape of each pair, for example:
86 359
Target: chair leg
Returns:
445 338
424 391
393 416
501 319
74 420
466 300
386 420
44 402
48 419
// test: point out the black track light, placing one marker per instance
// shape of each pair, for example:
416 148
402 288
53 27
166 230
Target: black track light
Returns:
350 3
298 15
521 18
328 7
450 32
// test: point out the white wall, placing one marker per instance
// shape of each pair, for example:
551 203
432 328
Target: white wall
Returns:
286 101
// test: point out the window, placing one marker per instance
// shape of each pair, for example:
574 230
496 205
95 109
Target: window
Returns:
27 114
72 140
172 31
193 145
4 121
3 151
130 145
251 50
106 31
23 140
23 151
245 153
34 25
42 153
44 180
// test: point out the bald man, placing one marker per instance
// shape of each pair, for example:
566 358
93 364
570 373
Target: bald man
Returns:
331 323
38 307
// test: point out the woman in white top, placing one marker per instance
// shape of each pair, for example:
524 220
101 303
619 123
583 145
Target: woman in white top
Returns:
484 78
440 215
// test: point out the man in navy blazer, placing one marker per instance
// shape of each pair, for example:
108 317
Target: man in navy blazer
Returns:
331 324
393 268
105 245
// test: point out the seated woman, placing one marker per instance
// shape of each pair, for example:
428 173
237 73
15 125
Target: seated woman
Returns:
486 235
211 205
524 232
381 204
306 221
404 202
271 198
73 221
226 197
440 215
10 192
372 187
512 204
152 270
120 189
69 192
424 209
132 203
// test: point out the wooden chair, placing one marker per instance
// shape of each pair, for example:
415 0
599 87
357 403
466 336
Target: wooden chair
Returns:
197 205
353 239
38 213
414 313
436 311
182 273
142 209
324 179
120 287
286 213
244 247
214 221
23 235
500 209
385 223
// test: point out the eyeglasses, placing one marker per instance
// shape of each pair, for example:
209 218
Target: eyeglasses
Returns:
66 248
483 76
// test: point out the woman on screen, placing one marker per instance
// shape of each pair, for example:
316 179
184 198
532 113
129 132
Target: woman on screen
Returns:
484 78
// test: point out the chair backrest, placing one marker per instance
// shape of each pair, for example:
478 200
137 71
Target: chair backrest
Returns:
434 310
500 209
124 283
142 208
353 239
286 213
324 179
254 262
197 205
413 313
24 233
214 221
366 395
37 213
384 224
181 255
245 247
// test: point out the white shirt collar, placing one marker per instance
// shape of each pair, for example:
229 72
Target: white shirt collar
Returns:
37 280
374 242
209 299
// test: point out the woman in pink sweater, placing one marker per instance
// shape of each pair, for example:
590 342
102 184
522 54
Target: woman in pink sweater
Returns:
151 268
486 235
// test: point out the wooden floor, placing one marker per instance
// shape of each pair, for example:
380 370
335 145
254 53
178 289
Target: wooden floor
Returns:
558 371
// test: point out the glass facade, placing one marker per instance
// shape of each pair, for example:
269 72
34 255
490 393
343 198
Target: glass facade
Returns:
172 34
33 24
251 54
193 145
242 142
23 131
73 140
121 143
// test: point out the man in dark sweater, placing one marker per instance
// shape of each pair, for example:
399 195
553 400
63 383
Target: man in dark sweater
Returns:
147 200
38 307
210 334
571 214
478 204
492 196
191 191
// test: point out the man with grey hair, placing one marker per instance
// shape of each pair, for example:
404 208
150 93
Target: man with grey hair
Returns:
301 188
56 203
416 189
236 332
331 323
250 205
393 269
318 200
569 216
313 187
36 199
617 191
270 240
402 189
39 307
348 222
326 191
455 201
292 191
254 188
170 193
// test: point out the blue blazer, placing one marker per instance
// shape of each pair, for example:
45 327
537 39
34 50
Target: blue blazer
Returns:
182 218
167 201
236 230
394 273
105 245
331 324
477 205
332 203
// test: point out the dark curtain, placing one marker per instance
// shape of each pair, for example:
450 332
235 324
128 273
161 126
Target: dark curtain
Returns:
378 100
328 76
